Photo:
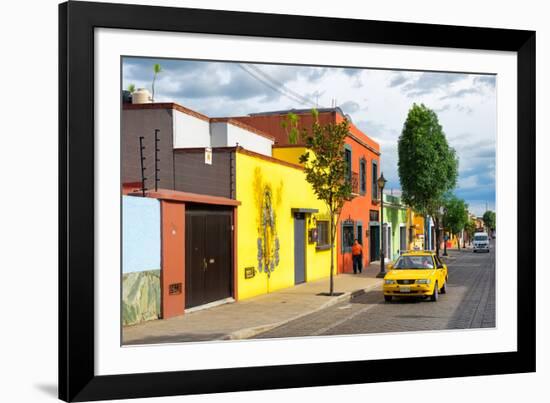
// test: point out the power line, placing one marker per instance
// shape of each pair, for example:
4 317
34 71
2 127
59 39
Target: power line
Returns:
275 85
268 84
284 87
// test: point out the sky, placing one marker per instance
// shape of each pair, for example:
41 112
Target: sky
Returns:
376 100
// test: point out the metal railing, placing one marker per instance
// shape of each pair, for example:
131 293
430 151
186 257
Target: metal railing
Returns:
354 183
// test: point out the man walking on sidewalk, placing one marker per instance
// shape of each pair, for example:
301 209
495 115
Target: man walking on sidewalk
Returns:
357 255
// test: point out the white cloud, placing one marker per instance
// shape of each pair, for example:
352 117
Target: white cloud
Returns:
468 182
378 101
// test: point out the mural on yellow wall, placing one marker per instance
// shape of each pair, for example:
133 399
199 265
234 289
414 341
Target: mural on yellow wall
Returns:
267 202
266 226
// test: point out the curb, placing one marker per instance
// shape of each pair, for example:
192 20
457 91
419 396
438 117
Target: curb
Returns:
252 331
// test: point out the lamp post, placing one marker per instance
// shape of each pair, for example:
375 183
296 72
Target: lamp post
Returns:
381 182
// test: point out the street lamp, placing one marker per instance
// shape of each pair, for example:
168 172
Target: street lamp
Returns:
381 183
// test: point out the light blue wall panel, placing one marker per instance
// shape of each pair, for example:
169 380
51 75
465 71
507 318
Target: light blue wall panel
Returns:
140 234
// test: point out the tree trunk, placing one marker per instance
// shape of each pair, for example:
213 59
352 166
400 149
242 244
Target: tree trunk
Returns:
437 235
331 291
458 242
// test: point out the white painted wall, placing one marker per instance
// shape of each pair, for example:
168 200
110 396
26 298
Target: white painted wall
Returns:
193 132
218 131
225 134
248 140
190 131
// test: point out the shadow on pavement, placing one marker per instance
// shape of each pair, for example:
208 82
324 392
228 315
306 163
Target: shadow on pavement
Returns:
371 297
377 297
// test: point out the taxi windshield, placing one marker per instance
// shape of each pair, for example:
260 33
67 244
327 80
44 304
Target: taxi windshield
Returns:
480 238
414 262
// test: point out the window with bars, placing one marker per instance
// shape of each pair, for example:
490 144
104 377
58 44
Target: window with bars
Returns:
374 179
348 163
363 176
323 237
347 237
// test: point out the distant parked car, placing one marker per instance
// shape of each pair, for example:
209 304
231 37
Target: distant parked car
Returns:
416 274
481 242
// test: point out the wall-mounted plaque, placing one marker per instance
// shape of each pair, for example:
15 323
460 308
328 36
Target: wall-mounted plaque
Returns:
249 272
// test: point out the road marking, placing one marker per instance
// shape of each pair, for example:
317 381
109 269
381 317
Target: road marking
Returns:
348 306
338 323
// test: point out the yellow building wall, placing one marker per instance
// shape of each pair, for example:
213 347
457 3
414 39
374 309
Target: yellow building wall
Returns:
454 239
289 154
288 189
417 242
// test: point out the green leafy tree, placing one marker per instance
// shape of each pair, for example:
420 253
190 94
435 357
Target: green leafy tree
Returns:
157 69
455 215
325 168
470 229
290 124
489 219
428 166
131 88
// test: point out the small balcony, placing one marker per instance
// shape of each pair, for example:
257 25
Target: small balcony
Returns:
354 185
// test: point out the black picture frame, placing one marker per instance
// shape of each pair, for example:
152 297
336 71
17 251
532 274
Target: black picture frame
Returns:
77 21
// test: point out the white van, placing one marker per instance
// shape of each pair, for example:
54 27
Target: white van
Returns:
481 241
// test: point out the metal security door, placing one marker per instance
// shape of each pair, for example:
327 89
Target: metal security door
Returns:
217 276
208 258
299 248
194 260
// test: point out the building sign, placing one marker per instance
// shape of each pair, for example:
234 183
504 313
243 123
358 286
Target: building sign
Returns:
373 215
208 155
249 272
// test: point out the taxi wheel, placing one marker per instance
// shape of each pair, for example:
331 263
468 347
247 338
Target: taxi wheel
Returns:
444 288
435 295
387 298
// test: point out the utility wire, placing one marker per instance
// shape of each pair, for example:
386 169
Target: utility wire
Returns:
275 85
268 84
276 82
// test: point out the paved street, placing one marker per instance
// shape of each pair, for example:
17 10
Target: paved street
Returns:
252 316
469 303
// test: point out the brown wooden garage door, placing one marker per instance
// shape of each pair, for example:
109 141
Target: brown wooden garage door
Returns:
208 246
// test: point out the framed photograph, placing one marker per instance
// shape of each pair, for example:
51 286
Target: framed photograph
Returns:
258 201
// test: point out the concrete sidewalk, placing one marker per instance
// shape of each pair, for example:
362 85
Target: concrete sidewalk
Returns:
244 319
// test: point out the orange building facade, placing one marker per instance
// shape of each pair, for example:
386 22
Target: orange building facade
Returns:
359 218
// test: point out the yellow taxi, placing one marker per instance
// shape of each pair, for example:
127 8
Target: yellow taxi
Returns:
416 274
